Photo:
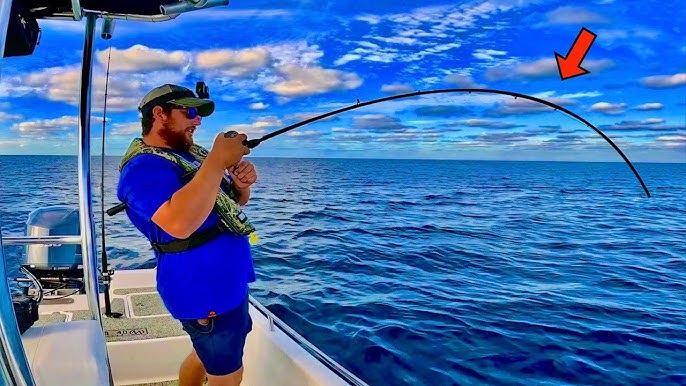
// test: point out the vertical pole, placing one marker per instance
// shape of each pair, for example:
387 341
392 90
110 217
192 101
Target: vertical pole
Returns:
89 251
88 247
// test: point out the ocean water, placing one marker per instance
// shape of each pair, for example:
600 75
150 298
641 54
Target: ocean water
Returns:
415 272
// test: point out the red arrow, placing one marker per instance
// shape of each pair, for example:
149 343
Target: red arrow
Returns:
570 65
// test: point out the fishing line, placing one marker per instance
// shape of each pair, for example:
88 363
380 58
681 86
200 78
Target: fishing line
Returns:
252 143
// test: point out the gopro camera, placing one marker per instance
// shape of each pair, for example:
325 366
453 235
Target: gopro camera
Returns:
202 90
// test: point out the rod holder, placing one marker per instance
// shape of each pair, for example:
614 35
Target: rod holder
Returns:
107 28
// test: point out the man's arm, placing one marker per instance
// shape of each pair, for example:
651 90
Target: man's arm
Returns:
243 195
243 176
189 207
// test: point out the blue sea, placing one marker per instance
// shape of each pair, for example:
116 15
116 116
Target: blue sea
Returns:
414 272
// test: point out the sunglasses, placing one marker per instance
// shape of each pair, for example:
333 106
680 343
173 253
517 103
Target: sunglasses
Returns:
191 112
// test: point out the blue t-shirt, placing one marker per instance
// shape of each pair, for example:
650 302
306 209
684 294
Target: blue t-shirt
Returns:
212 278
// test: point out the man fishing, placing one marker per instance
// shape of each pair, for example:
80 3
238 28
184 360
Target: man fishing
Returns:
187 202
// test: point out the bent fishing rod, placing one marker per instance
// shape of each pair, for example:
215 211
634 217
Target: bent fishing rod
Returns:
252 143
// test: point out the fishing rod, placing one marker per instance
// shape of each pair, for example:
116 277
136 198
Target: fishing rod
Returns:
106 272
252 143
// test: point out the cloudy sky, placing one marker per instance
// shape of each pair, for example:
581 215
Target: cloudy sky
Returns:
271 64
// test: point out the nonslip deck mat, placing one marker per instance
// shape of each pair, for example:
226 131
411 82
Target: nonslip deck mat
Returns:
126 291
124 328
148 304
57 301
55 317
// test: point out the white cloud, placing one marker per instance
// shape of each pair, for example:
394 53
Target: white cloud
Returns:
653 124
664 81
395 39
297 52
241 63
649 106
485 123
654 121
397 88
538 68
370 52
424 31
541 68
346 59
12 144
126 129
681 138
139 58
258 106
611 36
392 107
673 141
305 134
525 106
587 94
301 81
418 33
62 84
609 108
259 67
43 128
462 81
433 49
574 15
581 94
488 54
8 117
371 19
305 116
257 128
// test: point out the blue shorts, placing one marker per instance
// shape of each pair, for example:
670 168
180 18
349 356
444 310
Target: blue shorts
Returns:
220 343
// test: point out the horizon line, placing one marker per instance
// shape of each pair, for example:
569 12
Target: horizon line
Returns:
381 158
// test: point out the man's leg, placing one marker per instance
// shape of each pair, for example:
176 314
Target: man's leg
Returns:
192 372
233 379
219 343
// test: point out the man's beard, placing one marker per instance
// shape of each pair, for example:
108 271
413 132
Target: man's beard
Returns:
175 140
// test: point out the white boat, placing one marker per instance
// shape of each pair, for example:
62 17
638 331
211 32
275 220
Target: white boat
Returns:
74 341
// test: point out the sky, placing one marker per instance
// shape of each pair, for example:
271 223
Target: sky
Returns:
272 64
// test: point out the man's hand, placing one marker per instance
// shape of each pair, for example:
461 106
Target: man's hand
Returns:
243 174
228 148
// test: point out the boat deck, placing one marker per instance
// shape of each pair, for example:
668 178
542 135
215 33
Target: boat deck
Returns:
146 345
143 317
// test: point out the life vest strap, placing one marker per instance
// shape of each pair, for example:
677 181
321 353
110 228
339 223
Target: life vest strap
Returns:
193 241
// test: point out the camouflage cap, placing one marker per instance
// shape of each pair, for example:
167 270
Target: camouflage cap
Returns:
176 95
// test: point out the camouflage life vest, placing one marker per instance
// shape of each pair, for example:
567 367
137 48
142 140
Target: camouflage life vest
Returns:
232 217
